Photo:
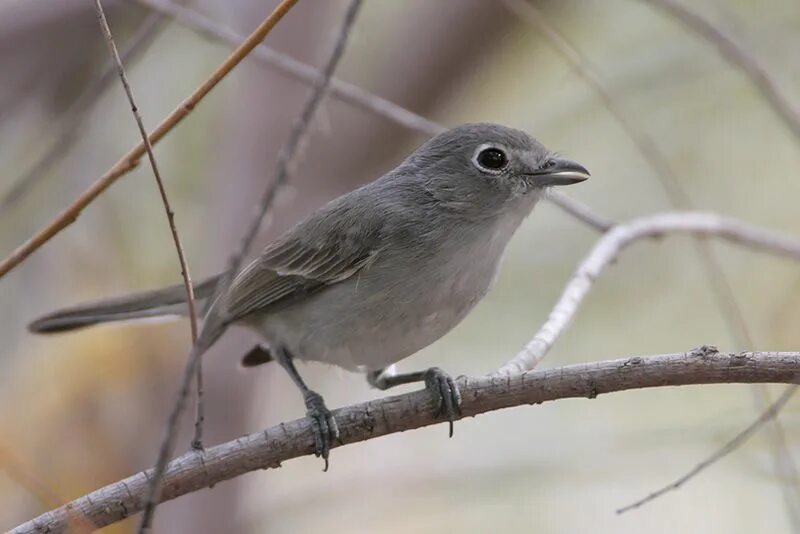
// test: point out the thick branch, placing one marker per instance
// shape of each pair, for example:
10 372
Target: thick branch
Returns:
267 449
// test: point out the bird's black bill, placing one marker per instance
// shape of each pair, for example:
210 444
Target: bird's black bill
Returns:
559 172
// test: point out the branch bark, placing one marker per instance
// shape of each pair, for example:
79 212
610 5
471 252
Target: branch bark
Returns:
269 448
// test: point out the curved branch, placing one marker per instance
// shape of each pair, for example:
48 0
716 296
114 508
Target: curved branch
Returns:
268 448
620 237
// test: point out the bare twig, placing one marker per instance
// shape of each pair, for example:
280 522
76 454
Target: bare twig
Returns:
287 158
346 92
283 168
69 127
187 281
187 278
294 144
723 451
131 159
297 70
619 238
738 56
715 274
268 448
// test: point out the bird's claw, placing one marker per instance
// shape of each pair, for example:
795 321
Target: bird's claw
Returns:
323 425
447 395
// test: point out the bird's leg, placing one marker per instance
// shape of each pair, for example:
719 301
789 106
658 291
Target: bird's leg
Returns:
440 384
322 422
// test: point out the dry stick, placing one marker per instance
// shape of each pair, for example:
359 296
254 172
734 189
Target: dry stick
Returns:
285 161
341 90
287 157
721 287
70 126
723 451
131 159
614 242
187 278
738 56
168 442
268 448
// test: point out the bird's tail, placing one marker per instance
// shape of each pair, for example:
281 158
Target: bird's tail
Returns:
158 303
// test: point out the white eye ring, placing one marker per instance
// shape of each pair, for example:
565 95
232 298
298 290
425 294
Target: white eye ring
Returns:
488 152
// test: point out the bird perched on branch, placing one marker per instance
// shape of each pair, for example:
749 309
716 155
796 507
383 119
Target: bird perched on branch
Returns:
376 274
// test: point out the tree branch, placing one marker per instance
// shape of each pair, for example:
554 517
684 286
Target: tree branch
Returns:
620 237
187 278
130 160
268 448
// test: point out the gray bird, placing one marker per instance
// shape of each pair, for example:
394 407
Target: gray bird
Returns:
376 274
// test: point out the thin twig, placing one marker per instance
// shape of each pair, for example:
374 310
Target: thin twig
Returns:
723 451
738 56
721 288
296 70
615 241
131 159
286 159
283 169
344 91
70 126
192 365
270 447
187 278
294 144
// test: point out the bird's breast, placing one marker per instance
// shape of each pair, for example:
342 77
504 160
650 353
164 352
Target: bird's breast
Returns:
403 302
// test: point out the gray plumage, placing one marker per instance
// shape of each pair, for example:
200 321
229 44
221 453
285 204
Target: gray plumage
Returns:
380 272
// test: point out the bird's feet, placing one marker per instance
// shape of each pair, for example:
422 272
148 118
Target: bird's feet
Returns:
446 393
323 425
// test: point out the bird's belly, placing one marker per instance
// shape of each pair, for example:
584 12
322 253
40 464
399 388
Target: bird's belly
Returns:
358 324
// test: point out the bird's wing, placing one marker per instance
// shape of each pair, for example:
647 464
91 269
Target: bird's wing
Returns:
308 258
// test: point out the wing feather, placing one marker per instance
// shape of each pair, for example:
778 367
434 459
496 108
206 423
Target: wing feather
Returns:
308 258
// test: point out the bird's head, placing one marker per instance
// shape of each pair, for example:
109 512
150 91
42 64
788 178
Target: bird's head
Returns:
487 166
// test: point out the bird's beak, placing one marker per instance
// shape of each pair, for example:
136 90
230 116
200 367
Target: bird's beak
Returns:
560 172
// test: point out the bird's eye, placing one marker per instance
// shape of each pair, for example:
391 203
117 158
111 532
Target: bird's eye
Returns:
491 159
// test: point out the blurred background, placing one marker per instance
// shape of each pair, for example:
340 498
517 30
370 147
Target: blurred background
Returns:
81 410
